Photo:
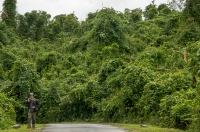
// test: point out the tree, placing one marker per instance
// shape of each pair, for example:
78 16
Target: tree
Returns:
67 23
191 8
133 15
163 9
136 15
22 26
107 27
9 12
150 11
4 39
37 22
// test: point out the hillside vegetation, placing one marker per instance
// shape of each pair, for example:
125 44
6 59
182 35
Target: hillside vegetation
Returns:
127 67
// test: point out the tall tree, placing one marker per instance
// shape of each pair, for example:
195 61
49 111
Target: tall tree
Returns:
33 24
9 12
177 4
107 27
133 15
191 8
150 11
67 23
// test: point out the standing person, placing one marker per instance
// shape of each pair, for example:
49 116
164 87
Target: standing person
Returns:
33 107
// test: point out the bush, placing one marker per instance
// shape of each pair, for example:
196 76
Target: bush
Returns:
158 89
126 87
176 109
7 112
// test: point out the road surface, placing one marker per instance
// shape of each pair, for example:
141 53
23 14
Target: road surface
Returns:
81 128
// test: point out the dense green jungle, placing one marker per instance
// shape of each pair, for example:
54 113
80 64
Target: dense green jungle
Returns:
136 66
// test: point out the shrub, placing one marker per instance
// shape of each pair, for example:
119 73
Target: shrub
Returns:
7 112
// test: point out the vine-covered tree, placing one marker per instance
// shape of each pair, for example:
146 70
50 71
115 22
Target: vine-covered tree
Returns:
150 11
191 8
107 27
9 12
164 9
36 23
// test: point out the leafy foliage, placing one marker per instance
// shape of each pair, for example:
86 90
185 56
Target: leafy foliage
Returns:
112 67
150 11
7 112
9 12
107 28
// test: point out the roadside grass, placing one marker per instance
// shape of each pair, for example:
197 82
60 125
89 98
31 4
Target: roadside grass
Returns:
137 128
23 128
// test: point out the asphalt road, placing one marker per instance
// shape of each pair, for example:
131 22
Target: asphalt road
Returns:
81 128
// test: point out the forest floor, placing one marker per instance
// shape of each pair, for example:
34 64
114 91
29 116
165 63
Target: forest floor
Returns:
80 127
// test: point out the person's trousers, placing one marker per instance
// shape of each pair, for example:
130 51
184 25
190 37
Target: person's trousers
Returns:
31 119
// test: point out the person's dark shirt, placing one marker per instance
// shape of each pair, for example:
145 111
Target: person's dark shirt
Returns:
30 103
